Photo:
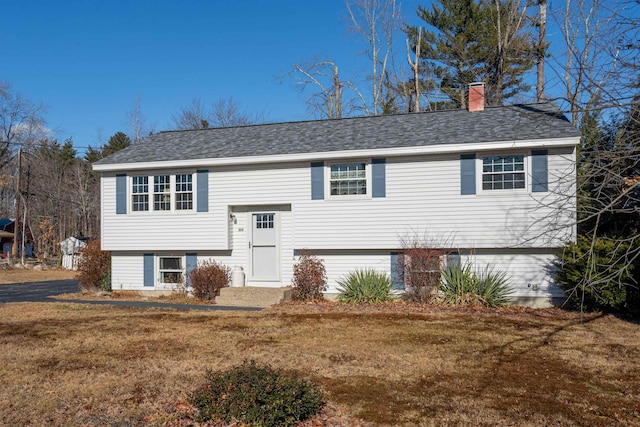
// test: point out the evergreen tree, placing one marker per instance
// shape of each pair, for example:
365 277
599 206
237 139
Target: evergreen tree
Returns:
475 40
117 142
602 270
92 155
67 152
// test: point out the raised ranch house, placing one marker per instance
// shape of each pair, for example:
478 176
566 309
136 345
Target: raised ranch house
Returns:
496 184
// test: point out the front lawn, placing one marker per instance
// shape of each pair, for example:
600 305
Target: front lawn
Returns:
70 364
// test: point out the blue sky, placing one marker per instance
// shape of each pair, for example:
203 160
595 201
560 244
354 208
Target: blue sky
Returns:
88 61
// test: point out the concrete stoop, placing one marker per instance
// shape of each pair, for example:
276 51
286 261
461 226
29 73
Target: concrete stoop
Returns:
249 296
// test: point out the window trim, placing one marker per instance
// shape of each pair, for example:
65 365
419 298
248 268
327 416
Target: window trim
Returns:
176 192
526 159
402 270
159 270
166 185
144 195
368 179
172 193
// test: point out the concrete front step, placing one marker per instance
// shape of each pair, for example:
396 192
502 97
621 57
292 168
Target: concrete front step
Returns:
250 296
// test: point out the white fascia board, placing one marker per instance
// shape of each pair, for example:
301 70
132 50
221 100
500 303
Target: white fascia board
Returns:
347 154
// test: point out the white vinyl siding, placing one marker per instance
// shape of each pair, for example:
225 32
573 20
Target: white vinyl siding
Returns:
522 269
422 196
127 271
128 268
530 274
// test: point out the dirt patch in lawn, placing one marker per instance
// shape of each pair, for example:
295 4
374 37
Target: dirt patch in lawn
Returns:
72 364
20 275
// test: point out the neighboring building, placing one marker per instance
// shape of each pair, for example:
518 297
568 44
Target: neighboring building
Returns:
7 232
496 185
70 248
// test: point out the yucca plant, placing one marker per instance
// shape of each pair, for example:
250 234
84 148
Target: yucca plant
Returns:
459 284
494 287
365 286
462 285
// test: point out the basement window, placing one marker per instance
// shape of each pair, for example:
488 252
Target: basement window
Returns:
170 270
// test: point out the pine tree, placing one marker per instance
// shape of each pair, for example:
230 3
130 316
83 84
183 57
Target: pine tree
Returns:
116 143
475 40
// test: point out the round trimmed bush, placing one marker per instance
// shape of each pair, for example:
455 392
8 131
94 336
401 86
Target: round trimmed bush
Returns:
257 395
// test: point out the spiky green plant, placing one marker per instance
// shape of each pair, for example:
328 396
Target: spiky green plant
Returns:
458 284
494 287
365 286
462 285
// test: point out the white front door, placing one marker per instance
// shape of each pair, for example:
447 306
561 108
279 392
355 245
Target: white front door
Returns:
263 243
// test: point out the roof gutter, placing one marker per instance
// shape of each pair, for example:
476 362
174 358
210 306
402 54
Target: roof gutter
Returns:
345 154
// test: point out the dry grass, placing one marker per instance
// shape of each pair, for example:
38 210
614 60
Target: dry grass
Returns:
15 275
69 364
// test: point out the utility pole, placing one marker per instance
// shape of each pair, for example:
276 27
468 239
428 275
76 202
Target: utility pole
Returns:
14 248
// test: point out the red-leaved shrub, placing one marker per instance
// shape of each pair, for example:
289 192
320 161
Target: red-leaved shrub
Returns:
94 267
207 279
309 278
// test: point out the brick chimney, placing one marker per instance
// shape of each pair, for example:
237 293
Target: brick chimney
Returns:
476 97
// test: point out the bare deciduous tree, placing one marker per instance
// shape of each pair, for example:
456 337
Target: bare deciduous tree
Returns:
222 113
21 121
136 122
226 112
415 68
192 116
541 49
513 53
328 100
586 67
375 21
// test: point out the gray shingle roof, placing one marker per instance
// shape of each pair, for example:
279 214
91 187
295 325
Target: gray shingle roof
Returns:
516 122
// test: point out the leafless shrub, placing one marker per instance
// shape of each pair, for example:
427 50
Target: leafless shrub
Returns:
207 279
421 263
309 278
94 267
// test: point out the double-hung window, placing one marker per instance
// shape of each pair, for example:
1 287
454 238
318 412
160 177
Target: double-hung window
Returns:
348 179
162 192
184 192
140 193
503 172
170 270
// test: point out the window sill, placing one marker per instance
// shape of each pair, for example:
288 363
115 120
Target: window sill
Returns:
349 197
161 213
